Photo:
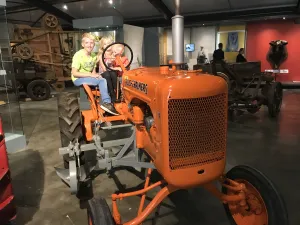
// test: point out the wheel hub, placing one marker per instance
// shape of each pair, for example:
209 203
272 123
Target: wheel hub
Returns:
39 91
255 212
254 204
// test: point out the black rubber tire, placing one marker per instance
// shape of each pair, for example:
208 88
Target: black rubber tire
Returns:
275 88
277 213
70 123
38 83
99 212
253 111
226 78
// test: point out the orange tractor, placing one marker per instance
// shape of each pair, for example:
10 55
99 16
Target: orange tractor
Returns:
178 120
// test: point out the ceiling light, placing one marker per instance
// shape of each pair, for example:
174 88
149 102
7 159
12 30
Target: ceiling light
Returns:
203 24
65 7
110 2
106 26
283 18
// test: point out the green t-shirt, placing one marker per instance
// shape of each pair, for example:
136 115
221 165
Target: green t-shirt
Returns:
83 63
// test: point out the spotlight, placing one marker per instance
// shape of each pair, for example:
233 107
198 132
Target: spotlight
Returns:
110 2
283 18
65 7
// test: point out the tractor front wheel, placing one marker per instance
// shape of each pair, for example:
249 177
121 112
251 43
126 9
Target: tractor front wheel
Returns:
274 97
38 90
98 212
266 206
69 123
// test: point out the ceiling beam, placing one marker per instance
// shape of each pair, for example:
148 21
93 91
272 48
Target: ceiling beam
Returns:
25 7
215 17
162 8
45 6
15 2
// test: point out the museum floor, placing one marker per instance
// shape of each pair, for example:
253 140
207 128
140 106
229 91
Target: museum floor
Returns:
272 146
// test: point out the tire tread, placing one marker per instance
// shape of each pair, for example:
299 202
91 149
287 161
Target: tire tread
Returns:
99 211
277 212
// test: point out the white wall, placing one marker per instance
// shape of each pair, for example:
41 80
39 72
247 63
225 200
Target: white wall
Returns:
134 36
2 2
200 36
206 37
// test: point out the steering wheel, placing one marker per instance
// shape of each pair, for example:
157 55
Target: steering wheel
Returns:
110 46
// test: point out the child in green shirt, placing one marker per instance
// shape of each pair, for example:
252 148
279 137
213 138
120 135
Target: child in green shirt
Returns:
84 72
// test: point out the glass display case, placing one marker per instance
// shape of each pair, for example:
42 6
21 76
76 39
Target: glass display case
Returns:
9 96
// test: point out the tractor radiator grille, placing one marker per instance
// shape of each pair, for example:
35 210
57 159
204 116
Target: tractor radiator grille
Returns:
197 131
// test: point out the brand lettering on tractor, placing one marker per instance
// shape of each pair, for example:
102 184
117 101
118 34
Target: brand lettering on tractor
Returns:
137 85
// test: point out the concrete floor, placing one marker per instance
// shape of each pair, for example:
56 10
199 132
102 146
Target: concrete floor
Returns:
42 199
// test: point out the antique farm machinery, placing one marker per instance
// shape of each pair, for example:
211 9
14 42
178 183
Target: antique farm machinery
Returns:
178 120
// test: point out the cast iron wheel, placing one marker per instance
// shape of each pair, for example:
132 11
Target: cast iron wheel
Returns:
24 51
38 90
125 45
98 212
261 196
226 78
69 123
50 20
274 99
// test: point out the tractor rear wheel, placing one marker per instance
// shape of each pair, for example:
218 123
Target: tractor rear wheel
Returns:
226 78
274 96
70 123
98 212
266 206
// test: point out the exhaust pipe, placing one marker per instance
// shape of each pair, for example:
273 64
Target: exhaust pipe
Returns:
178 35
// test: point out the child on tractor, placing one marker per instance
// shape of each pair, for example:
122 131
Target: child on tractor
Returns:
110 76
84 72
118 49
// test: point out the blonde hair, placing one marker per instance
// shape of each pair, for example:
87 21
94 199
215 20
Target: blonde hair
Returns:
88 36
102 43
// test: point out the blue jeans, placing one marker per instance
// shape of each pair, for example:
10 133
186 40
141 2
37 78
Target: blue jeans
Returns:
100 82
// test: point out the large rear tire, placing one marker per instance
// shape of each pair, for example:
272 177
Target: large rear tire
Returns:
274 96
262 195
70 123
226 78
98 212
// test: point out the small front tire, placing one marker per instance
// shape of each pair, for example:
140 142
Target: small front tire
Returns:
38 90
98 212
274 96
259 187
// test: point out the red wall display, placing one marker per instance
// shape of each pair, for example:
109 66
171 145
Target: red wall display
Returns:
260 34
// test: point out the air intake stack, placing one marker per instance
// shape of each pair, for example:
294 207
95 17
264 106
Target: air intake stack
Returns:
178 35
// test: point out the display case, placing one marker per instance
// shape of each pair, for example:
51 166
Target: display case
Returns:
9 96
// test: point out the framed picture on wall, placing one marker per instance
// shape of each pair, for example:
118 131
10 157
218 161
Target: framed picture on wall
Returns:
232 40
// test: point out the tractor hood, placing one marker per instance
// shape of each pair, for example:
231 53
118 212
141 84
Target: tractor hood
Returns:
147 82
